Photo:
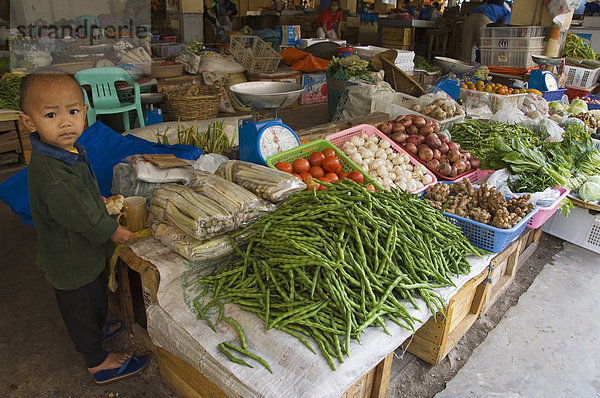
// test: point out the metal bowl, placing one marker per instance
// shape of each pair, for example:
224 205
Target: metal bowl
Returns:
453 65
266 95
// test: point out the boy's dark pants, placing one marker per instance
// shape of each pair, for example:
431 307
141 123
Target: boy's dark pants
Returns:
84 312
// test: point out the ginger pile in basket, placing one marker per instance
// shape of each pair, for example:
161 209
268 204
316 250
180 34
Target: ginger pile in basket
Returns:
485 205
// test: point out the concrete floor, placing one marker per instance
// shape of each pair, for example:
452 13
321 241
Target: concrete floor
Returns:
547 345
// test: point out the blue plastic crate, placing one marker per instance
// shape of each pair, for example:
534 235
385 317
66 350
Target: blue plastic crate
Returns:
485 236
554 95
593 106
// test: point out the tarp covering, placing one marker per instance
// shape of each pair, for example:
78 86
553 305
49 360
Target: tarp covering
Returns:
105 148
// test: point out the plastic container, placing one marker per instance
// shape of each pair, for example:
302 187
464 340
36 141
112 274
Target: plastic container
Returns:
496 101
593 106
514 31
582 228
339 139
510 58
254 54
396 104
581 77
545 213
512 43
304 151
344 52
555 95
486 236
579 92
407 67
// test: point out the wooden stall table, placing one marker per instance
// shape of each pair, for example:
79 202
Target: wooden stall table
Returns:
9 125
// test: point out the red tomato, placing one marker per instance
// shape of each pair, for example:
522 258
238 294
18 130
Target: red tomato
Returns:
312 184
301 166
284 166
356 176
304 176
343 175
329 152
332 177
371 188
326 180
302 142
332 165
316 158
296 175
324 90
317 172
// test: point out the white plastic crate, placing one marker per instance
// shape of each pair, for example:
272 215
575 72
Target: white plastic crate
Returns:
510 58
596 143
475 99
396 104
581 77
582 228
514 31
512 43
407 67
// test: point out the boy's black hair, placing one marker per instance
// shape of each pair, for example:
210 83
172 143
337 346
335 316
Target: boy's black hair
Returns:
335 1
44 74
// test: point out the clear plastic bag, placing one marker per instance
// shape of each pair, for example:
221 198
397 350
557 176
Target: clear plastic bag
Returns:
500 178
509 114
124 183
269 184
219 248
243 204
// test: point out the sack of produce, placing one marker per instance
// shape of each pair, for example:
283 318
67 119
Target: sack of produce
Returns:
219 248
243 204
269 184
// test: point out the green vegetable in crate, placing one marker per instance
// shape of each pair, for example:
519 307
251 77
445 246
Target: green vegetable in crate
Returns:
482 72
590 190
352 66
576 47
329 265
577 106
422 64
195 47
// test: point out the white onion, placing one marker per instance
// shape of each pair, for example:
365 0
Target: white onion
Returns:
392 175
389 151
384 144
349 147
411 186
364 136
365 153
399 170
402 185
381 154
382 171
387 181
405 157
356 158
374 139
426 179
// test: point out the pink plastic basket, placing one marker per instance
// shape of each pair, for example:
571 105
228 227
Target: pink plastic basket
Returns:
546 212
339 139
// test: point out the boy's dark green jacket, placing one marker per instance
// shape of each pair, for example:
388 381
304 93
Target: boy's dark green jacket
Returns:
69 215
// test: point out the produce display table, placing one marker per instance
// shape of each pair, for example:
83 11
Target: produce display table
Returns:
297 372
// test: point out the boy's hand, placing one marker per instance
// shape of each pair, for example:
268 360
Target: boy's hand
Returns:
122 235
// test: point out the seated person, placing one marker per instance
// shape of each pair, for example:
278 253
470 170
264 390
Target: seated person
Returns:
329 22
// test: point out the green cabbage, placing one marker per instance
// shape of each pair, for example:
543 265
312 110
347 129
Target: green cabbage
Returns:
590 191
556 106
594 179
577 106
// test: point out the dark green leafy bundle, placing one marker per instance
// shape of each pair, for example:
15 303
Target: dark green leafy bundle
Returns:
10 86
328 265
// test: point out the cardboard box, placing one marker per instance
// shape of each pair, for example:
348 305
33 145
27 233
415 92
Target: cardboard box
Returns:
290 35
315 88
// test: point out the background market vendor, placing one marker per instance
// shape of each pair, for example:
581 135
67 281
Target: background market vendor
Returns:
492 11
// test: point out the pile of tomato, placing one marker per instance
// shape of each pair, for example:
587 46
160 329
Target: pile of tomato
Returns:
494 88
321 166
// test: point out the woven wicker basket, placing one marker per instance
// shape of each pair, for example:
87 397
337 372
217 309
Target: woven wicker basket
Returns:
399 80
185 106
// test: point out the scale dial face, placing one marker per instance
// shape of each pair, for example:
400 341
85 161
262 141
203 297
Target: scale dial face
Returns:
550 81
276 138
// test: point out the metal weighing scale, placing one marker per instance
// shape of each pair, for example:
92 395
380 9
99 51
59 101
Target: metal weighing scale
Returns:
545 80
450 68
261 139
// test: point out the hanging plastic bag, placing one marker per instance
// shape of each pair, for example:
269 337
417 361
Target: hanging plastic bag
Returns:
500 179
509 114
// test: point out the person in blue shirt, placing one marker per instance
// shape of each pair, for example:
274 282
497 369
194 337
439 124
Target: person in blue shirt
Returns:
492 11
409 9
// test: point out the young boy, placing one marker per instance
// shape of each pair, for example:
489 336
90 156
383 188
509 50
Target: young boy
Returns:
74 230
329 19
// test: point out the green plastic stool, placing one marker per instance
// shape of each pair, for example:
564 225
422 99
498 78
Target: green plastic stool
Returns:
104 94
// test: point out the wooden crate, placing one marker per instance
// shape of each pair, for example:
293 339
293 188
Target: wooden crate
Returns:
503 270
189 383
435 338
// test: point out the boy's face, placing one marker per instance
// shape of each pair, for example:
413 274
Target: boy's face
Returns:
56 110
333 7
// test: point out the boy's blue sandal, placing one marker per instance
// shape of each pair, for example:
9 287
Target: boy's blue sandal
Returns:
107 334
130 367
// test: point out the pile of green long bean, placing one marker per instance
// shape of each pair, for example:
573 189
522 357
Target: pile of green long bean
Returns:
328 265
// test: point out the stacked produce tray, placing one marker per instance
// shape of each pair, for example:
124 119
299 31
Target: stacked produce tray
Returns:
514 31
496 101
304 151
554 95
398 104
339 139
545 213
582 78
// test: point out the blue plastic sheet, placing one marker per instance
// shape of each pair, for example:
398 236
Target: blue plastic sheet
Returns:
105 148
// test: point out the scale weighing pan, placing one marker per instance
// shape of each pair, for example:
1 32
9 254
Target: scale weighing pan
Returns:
266 95
453 65
545 80
542 60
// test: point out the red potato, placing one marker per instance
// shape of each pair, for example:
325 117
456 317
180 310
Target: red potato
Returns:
332 177
398 128
399 138
445 169
436 154
443 137
412 129
453 155
385 128
444 148
475 163
453 145
419 121
433 141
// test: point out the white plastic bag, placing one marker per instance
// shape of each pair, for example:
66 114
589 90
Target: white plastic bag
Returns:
509 114
360 97
500 180
146 171
209 162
